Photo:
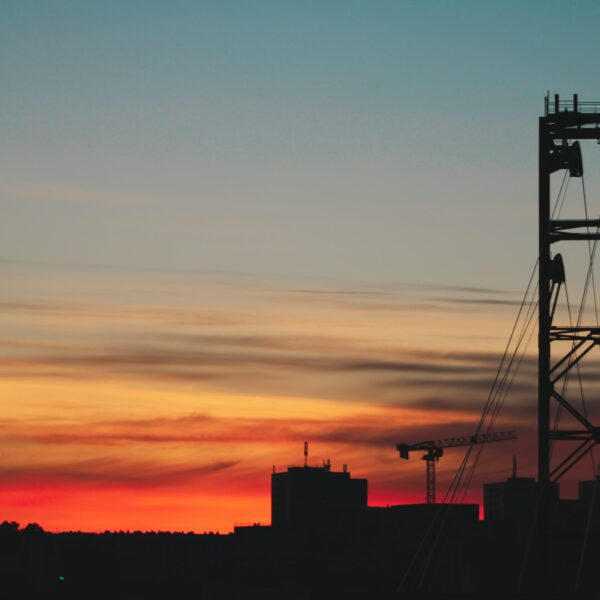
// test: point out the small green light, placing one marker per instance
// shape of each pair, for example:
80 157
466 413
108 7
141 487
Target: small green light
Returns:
61 578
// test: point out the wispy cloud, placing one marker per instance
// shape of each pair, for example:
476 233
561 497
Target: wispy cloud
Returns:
58 192
111 472
380 429
481 301
247 359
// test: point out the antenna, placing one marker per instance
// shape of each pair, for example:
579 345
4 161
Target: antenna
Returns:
306 454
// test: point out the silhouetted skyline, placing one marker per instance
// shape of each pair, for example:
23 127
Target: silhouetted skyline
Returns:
227 229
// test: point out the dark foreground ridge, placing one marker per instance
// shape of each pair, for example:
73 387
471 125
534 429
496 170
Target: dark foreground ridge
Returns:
365 557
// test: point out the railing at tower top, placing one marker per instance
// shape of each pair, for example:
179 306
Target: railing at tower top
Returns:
554 106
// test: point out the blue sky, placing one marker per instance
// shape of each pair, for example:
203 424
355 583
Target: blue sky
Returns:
368 140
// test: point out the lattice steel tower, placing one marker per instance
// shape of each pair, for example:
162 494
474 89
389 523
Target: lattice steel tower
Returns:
563 124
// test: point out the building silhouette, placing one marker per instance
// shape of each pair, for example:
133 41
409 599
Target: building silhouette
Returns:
589 491
511 500
310 494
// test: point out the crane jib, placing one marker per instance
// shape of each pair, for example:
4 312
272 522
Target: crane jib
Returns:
435 450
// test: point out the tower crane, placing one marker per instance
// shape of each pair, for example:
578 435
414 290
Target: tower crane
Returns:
435 450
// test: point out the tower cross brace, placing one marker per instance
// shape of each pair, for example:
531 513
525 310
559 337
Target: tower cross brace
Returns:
560 129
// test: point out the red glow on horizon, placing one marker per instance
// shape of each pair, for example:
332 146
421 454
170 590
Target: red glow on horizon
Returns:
95 510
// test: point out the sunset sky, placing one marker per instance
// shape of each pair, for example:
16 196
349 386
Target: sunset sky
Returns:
229 227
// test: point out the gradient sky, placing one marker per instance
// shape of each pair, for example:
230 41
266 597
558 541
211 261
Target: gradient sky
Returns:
228 227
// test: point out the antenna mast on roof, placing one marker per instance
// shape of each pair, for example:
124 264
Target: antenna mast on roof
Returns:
306 454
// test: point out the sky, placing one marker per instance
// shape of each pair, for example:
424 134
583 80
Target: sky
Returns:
229 227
